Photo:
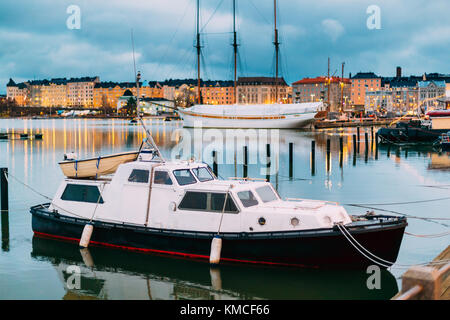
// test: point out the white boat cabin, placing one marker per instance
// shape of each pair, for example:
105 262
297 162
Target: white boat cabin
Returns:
182 195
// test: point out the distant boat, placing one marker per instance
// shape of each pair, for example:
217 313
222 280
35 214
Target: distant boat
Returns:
283 116
271 116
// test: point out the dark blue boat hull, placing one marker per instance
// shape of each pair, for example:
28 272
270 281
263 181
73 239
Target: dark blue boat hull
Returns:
325 248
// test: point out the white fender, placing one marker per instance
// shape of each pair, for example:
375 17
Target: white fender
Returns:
216 248
86 235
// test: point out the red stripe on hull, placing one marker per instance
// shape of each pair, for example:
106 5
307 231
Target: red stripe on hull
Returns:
173 253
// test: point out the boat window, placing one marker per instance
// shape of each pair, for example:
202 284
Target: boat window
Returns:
207 201
184 177
162 177
82 193
247 198
194 201
203 174
266 194
138 175
217 202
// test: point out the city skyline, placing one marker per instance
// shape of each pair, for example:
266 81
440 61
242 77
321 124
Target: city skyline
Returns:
37 43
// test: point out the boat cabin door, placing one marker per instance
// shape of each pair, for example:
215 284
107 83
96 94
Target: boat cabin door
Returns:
135 196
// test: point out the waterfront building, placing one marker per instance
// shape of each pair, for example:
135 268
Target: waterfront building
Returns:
262 90
363 82
107 94
212 91
17 92
80 91
333 90
221 92
431 94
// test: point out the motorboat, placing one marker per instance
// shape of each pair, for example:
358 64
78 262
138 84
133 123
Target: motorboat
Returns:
426 131
179 207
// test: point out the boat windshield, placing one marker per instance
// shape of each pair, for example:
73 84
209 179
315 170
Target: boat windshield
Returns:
203 174
184 177
266 194
247 198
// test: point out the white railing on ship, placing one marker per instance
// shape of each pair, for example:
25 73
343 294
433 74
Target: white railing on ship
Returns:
312 200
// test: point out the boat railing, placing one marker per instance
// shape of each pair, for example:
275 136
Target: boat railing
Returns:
312 200
247 179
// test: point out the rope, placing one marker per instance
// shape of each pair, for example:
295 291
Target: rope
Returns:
397 203
436 235
29 187
345 232
404 214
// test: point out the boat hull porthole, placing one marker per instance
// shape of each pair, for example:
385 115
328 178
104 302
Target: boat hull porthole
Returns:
173 206
262 221
295 222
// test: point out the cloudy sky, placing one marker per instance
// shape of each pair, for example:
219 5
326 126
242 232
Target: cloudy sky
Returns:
35 42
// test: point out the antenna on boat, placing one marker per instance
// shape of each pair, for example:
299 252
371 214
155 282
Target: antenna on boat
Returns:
137 75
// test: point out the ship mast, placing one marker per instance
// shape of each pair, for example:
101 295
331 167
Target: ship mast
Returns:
198 46
235 49
277 49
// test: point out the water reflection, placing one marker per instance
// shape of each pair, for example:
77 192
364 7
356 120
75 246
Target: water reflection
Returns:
354 173
113 274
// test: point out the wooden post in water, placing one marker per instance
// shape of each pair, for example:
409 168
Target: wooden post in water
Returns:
215 169
245 167
4 207
291 160
268 162
328 154
357 130
371 133
341 151
366 148
354 144
313 157
376 146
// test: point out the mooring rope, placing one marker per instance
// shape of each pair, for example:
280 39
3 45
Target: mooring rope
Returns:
398 203
26 185
436 235
386 264
429 219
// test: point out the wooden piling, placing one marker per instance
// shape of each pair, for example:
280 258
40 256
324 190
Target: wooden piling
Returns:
376 146
268 162
215 169
313 157
354 144
291 160
357 130
245 166
4 207
328 154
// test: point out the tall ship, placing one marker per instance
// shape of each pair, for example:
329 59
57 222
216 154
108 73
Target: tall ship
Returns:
271 115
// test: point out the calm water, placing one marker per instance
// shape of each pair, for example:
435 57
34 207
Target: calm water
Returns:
35 268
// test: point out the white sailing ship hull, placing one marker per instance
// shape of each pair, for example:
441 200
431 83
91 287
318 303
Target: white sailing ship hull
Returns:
292 116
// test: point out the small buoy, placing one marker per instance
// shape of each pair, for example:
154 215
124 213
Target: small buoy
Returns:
87 257
216 279
86 235
216 247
